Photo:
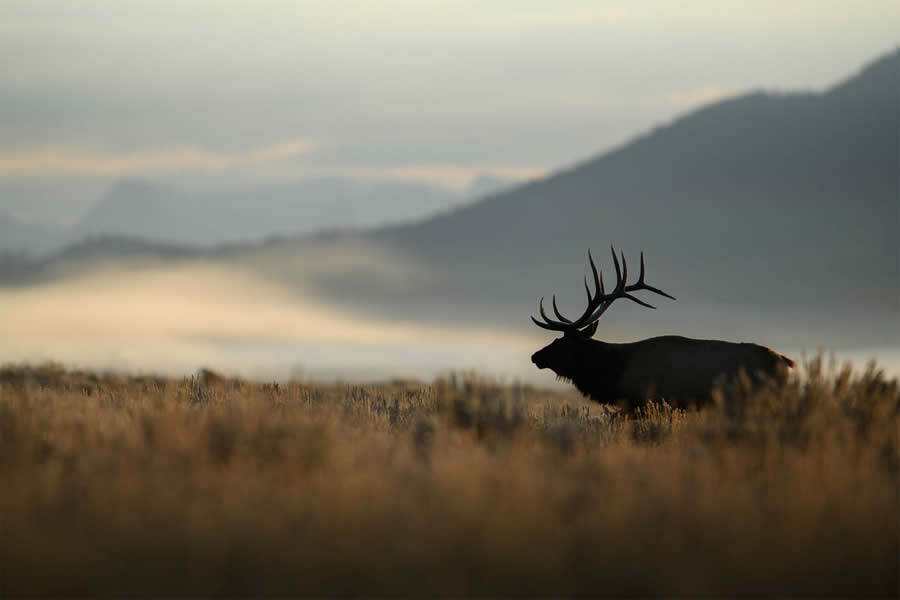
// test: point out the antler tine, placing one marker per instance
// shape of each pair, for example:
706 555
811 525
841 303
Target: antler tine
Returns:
616 263
544 325
556 310
638 300
624 268
650 288
640 280
546 318
593 297
598 280
588 290
548 322
640 285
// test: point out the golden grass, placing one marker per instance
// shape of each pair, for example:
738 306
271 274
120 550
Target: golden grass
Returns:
143 486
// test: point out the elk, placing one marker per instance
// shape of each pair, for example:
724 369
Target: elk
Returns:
682 371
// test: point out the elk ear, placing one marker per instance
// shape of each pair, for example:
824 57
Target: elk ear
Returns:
589 331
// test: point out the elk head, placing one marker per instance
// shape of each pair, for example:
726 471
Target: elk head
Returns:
565 355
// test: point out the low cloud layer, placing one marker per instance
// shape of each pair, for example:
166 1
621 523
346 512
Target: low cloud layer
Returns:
176 320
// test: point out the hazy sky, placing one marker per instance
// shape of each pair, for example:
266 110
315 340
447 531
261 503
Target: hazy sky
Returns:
91 91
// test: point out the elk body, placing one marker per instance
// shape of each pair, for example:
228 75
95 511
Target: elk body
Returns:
682 371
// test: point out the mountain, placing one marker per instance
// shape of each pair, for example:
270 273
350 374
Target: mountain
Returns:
487 185
253 212
764 199
18 237
771 216
119 248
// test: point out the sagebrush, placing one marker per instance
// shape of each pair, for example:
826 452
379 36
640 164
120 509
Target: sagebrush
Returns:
142 486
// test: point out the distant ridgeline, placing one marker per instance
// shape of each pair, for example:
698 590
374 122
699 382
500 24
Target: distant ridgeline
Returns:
241 213
788 198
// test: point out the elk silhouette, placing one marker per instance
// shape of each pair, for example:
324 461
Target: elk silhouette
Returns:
682 371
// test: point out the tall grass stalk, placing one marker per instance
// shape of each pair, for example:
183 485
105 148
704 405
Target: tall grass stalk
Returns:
140 486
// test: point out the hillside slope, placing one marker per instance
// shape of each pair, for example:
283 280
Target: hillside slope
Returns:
17 237
250 213
771 217
762 199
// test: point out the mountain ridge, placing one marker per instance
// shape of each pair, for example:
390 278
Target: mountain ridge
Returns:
246 212
253 212
767 181
758 200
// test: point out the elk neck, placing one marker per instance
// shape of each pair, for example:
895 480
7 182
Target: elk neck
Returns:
597 369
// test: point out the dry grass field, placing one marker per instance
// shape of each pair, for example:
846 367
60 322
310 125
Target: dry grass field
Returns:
114 486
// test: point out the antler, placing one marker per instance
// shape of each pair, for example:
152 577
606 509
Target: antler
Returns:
622 291
599 301
564 324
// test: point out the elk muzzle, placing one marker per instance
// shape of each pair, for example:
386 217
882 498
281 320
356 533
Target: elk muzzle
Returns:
541 358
